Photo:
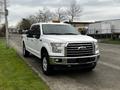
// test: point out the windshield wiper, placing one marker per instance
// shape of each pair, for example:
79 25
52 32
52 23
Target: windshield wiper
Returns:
60 34
52 33
70 34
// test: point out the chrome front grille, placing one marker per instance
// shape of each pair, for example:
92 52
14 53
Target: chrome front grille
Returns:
79 49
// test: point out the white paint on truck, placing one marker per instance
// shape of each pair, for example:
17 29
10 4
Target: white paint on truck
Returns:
59 44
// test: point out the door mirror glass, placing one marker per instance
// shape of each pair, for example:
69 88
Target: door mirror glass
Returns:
29 34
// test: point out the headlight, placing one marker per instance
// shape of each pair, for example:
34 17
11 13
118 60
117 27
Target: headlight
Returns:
96 46
57 47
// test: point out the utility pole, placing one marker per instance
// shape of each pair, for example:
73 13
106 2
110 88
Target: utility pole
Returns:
6 24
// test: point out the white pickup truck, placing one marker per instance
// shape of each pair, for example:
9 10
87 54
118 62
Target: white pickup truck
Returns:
59 44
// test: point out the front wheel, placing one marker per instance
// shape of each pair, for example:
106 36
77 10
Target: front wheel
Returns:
46 68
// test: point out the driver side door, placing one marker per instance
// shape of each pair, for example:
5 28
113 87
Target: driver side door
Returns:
31 40
36 40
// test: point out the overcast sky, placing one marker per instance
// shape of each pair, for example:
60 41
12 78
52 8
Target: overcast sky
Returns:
92 10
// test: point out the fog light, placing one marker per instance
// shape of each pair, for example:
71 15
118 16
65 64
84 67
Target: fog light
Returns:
58 60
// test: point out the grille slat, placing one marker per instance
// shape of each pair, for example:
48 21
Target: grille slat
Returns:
75 47
89 45
79 49
79 52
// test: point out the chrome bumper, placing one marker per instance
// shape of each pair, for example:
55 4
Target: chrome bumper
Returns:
64 60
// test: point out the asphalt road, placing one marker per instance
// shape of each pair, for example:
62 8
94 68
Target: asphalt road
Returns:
106 76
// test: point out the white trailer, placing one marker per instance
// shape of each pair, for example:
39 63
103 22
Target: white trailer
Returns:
115 25
99 28
105 28
93 28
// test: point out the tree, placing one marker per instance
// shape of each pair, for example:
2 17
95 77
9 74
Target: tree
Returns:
24 24
33 19
44 15
74 10
60 14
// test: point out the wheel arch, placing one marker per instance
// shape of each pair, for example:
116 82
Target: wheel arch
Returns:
43 51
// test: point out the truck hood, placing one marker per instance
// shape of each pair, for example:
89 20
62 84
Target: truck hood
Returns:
69 38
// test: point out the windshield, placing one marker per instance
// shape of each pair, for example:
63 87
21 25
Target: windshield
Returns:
55 29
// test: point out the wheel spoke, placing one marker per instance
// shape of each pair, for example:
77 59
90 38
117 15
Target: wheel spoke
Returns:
44 64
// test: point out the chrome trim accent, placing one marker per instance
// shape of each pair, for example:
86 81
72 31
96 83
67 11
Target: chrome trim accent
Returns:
74 63
74 57
64 61
69 48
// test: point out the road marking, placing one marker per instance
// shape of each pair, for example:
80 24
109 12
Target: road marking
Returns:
110 65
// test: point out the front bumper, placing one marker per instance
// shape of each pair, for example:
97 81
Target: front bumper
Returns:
74 60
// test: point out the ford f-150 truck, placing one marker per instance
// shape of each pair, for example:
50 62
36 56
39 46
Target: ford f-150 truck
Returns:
59 44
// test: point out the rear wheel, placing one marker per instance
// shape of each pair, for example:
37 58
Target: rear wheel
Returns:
46 67
25 52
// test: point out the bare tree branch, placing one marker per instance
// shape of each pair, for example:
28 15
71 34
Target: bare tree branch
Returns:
32 19
60 14
74 10
44 15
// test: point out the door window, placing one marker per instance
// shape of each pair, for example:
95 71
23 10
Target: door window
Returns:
35 29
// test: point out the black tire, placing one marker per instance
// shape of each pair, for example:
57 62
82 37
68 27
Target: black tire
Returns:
46 67
25 52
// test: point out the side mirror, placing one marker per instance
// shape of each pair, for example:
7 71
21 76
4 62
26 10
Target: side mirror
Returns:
29 34
36 36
